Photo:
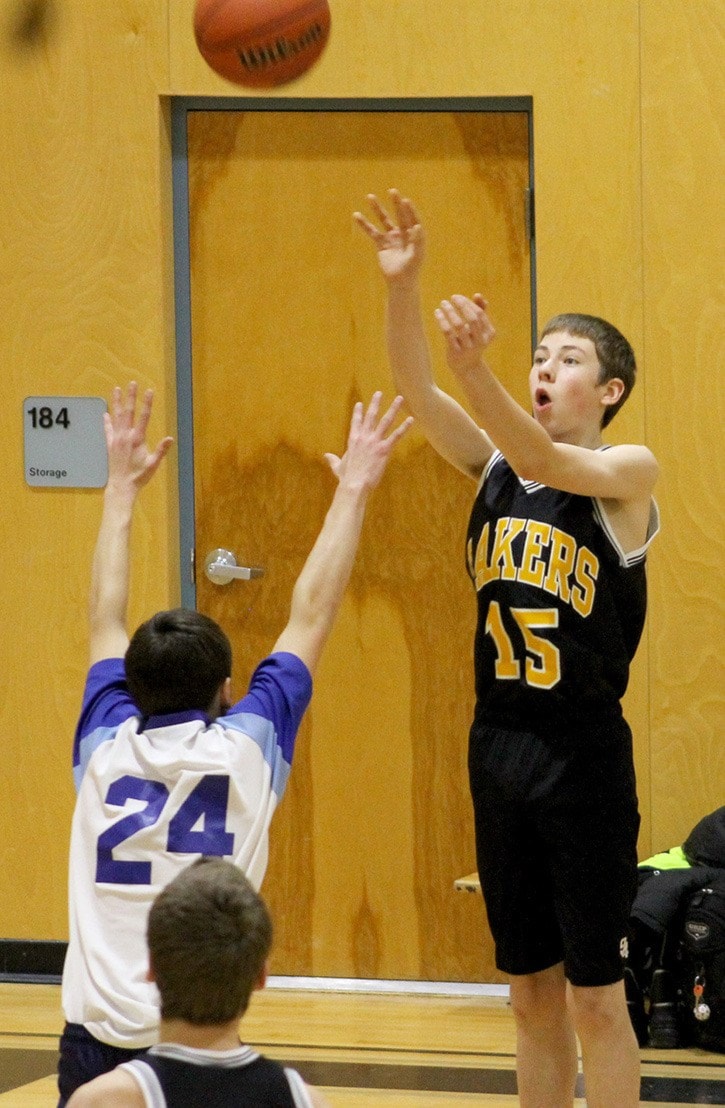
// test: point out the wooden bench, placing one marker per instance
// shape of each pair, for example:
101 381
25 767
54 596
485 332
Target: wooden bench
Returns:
469 884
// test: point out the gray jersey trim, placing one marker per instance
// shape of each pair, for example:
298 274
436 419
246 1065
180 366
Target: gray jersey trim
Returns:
298 1089
147 1081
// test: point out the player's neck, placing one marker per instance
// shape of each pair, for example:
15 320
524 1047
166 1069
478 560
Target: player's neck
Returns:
588 437
224 1036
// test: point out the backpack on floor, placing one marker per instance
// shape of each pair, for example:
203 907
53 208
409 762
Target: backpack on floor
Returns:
699 968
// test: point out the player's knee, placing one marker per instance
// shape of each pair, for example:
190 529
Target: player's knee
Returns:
538 998
598 1010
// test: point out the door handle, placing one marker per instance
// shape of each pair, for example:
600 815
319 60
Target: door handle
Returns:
221 567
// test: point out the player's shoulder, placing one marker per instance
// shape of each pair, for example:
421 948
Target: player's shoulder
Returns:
283 670
281 685
635 452
636 460
117 1089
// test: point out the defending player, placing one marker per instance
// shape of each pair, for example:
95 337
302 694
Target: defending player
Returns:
209 935
556 548
167 767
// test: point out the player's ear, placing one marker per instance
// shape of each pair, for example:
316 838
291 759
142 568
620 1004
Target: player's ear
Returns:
262 979
225 694
150 975
612 391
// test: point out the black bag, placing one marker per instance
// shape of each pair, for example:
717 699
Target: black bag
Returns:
674 974
651 987
699 968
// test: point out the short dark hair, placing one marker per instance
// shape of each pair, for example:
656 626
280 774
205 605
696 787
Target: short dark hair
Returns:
615 354
177 661
209 934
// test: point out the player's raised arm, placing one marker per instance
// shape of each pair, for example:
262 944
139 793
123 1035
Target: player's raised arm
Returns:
320 587
130 466
400 243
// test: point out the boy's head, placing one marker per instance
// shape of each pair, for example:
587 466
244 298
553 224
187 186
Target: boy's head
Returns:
177 661
614 353
209 934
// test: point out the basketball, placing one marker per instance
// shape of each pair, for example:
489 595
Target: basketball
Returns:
261 43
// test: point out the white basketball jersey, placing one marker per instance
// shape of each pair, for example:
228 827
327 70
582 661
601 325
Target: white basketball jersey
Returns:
149 803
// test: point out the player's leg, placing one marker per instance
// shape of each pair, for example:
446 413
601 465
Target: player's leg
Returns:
506 771
592 822
609 1046
546 1053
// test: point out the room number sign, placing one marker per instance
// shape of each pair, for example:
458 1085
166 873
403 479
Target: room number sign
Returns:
64 442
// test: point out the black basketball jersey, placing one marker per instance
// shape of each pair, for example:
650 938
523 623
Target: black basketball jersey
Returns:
174 1076
560 605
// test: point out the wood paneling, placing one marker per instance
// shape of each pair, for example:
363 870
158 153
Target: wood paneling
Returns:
683 106
83 307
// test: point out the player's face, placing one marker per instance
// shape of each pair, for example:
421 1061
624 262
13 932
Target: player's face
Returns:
565 394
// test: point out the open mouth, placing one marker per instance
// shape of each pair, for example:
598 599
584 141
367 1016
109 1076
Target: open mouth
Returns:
542 400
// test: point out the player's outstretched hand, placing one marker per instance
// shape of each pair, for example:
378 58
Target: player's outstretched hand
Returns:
130 462
369 444
467 329
399 240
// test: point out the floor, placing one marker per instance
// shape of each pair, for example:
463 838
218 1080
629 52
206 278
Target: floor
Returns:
361 1049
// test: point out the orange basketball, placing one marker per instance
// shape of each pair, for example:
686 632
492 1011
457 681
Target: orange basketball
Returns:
261 43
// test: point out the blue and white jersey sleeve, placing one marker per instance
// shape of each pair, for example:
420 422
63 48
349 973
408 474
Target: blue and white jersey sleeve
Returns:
271 712
106 705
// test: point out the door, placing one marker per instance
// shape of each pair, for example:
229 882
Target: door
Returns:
287 325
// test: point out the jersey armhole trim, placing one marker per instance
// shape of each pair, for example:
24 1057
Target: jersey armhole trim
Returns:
632 557
147 1081
496 457
298 1088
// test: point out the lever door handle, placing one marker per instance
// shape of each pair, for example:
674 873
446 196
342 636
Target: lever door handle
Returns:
221 567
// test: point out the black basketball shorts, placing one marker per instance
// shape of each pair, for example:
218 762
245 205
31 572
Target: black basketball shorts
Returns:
556 842
82 1058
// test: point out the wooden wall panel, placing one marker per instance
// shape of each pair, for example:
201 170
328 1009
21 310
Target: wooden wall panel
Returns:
85 305
683 106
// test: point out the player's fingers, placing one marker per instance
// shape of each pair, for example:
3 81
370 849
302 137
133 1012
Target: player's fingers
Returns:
388 418
127 407
116 402
443 322
412 213
380 212
488 329
164 446
355 420
334 462
365 225
399 431
452 315
405 214
145 413
154 460
371 415
108 429
468 311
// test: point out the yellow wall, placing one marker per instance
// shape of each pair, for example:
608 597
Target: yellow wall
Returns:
627 163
